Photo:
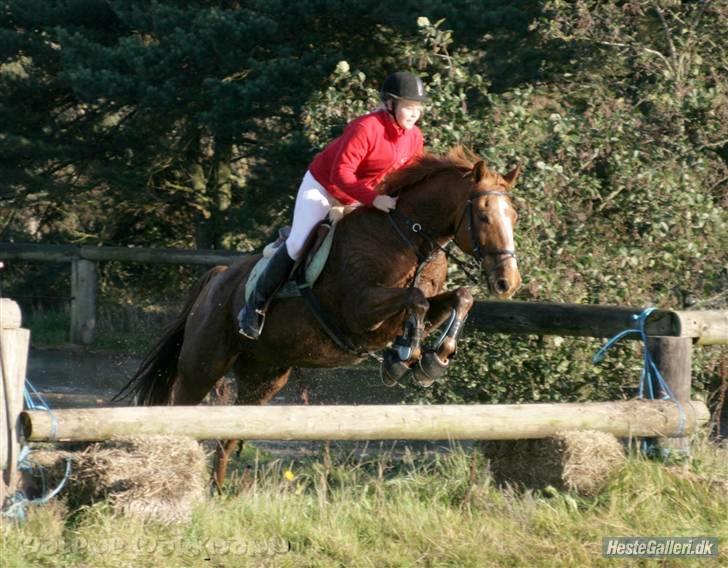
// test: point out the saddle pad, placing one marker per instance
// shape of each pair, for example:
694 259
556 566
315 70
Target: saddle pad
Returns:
314 268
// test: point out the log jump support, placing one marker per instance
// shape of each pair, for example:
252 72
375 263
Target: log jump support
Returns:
14 342
673 359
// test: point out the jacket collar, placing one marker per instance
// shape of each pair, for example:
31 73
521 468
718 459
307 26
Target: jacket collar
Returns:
393 129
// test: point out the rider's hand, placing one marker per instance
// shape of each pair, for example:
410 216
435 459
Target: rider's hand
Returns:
385 203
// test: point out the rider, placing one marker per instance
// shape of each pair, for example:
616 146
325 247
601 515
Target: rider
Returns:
346 172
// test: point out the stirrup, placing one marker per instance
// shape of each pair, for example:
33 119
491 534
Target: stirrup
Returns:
246 329
248 335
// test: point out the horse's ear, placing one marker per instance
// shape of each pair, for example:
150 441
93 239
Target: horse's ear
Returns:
511 177
480 171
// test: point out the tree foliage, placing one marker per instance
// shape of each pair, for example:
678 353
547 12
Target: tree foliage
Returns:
190 123
624 192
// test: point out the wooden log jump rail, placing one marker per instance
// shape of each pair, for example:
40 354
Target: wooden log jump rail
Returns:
367 422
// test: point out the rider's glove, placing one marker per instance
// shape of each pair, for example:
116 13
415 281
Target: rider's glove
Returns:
385 203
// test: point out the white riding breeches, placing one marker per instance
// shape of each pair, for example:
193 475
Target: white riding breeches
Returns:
313 203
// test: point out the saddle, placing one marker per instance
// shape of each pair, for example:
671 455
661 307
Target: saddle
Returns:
316 252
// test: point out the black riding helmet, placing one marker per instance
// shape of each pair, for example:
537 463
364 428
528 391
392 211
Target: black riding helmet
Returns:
403 85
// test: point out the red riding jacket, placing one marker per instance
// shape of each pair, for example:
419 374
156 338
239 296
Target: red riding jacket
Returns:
371 146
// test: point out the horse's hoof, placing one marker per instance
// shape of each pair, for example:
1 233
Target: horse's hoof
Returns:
429 368
393 369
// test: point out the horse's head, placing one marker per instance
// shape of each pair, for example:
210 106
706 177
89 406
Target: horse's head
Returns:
457 195
485 224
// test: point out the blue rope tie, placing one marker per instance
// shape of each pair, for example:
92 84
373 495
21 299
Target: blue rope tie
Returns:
31 394
650 374
20 502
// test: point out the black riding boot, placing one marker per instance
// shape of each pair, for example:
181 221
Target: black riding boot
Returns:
252 316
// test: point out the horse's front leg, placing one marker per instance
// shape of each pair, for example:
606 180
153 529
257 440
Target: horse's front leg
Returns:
375 305
449 308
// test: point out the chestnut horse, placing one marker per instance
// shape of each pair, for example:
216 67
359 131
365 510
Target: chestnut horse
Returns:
385 273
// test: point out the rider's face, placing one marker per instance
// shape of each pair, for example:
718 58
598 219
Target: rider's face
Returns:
407 113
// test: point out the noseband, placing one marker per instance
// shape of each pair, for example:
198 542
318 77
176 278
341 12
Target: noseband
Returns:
481 253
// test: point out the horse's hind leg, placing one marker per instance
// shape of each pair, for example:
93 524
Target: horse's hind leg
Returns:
199 370
257 384
207 350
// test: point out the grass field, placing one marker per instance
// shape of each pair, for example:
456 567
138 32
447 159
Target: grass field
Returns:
436 509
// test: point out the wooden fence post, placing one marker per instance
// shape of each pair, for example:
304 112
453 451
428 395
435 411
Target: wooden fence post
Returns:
673 358
14 343
83 301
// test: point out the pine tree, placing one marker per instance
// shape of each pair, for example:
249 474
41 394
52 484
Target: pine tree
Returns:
178 118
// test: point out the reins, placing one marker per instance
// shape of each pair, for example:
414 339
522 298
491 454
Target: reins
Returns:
434 246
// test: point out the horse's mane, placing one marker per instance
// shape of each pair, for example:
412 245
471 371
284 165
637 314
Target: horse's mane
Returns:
458 158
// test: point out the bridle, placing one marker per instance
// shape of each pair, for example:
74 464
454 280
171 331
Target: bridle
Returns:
479 252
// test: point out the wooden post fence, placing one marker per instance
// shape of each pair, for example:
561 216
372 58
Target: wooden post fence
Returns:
703 327
83 301
84 260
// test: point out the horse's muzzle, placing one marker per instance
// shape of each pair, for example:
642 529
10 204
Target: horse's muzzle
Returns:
504 280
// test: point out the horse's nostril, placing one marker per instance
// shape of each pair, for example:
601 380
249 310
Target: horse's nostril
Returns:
501 285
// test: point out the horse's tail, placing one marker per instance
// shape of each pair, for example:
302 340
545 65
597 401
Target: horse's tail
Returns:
153 381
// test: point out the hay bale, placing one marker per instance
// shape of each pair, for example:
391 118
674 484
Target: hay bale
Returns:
153 477
580 461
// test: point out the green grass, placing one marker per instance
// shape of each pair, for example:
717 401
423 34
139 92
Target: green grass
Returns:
432 510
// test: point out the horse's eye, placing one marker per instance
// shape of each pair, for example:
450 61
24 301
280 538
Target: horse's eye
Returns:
484 218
